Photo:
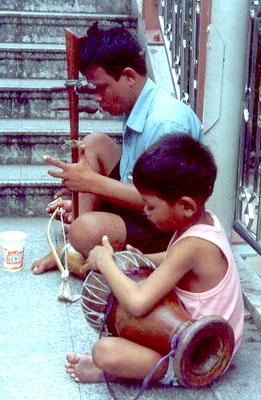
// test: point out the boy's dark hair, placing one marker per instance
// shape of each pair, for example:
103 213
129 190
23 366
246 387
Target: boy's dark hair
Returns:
175 166
112 49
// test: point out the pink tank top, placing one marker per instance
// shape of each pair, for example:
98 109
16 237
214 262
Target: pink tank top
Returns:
225 299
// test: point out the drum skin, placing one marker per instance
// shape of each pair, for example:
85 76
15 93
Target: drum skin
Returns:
204 348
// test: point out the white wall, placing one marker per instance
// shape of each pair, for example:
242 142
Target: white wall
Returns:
224 88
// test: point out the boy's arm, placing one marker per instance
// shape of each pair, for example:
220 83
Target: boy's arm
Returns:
156 258
140 297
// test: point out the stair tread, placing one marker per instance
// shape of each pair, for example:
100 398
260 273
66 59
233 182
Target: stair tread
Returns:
64 14
33 47
51 126
29 84
27 174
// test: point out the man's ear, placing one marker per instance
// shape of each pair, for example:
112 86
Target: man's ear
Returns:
129 74
189 206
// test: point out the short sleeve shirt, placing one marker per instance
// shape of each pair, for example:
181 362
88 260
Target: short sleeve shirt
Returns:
155 113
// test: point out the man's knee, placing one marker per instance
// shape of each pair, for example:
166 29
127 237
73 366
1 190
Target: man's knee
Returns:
82 231
88 229
102 152
95 138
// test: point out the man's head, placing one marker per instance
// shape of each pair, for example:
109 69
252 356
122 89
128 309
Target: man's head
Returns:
176 169
114 62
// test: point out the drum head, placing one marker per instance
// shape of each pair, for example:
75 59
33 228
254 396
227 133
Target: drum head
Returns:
204 351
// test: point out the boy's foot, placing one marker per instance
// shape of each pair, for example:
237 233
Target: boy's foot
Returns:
82 369
44 264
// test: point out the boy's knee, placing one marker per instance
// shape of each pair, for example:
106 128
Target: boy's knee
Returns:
104 352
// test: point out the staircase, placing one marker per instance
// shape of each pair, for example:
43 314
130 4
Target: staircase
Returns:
32 73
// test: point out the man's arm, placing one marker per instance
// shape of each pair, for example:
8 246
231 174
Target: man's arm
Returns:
81 178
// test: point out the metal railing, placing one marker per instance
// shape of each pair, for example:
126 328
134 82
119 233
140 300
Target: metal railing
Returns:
248 205
184 26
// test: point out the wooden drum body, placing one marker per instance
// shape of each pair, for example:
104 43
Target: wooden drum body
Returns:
203 348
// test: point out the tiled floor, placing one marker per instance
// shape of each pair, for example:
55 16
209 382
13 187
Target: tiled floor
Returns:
37 330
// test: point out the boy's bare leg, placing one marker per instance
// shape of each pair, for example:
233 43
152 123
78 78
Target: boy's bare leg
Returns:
103 155
119 358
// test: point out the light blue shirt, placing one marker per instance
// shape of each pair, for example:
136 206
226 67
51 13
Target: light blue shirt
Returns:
155 113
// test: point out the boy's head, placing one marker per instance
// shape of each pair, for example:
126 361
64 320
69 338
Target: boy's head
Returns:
112 49
176 167
113 61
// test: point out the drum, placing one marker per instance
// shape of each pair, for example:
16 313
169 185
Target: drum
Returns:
203 348
95 290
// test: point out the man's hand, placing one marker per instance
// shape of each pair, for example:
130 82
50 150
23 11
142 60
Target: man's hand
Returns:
77 177
65 208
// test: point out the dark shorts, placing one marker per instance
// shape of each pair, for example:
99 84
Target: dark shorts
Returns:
141 233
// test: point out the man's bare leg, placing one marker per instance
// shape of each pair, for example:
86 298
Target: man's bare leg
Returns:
119 358
85 233
103 154
46 263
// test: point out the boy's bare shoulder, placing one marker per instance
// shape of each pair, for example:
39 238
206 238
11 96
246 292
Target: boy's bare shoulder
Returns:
196 248
208 264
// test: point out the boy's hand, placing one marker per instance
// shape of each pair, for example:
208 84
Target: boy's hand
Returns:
98 256
129 247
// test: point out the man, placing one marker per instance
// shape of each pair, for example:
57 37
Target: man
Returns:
113 61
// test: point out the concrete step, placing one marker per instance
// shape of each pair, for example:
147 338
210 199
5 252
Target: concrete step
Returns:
32 61
38 98
48 27
63 6
26 141
25 190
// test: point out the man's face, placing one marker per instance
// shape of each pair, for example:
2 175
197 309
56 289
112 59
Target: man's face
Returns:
111 95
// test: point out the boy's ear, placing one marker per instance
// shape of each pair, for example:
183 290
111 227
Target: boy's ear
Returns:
188 205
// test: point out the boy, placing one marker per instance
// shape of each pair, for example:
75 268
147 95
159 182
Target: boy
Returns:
175 176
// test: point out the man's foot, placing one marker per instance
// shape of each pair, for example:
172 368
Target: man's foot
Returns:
44 264
82 369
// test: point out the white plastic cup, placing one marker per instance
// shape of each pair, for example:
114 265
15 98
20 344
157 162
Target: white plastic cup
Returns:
12 250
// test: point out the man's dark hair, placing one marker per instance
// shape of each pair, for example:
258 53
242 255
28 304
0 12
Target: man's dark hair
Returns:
175 166
112 49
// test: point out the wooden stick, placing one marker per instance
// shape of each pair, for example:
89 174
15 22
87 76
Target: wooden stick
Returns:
72 58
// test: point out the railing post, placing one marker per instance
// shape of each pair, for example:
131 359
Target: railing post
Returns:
205 18
151 21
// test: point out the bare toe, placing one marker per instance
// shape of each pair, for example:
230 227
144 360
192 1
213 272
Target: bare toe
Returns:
44 264
82 369
73 358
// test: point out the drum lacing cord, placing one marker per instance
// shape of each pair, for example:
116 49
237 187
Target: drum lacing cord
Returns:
173 346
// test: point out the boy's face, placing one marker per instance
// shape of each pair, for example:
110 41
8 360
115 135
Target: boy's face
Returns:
166 216
113 96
